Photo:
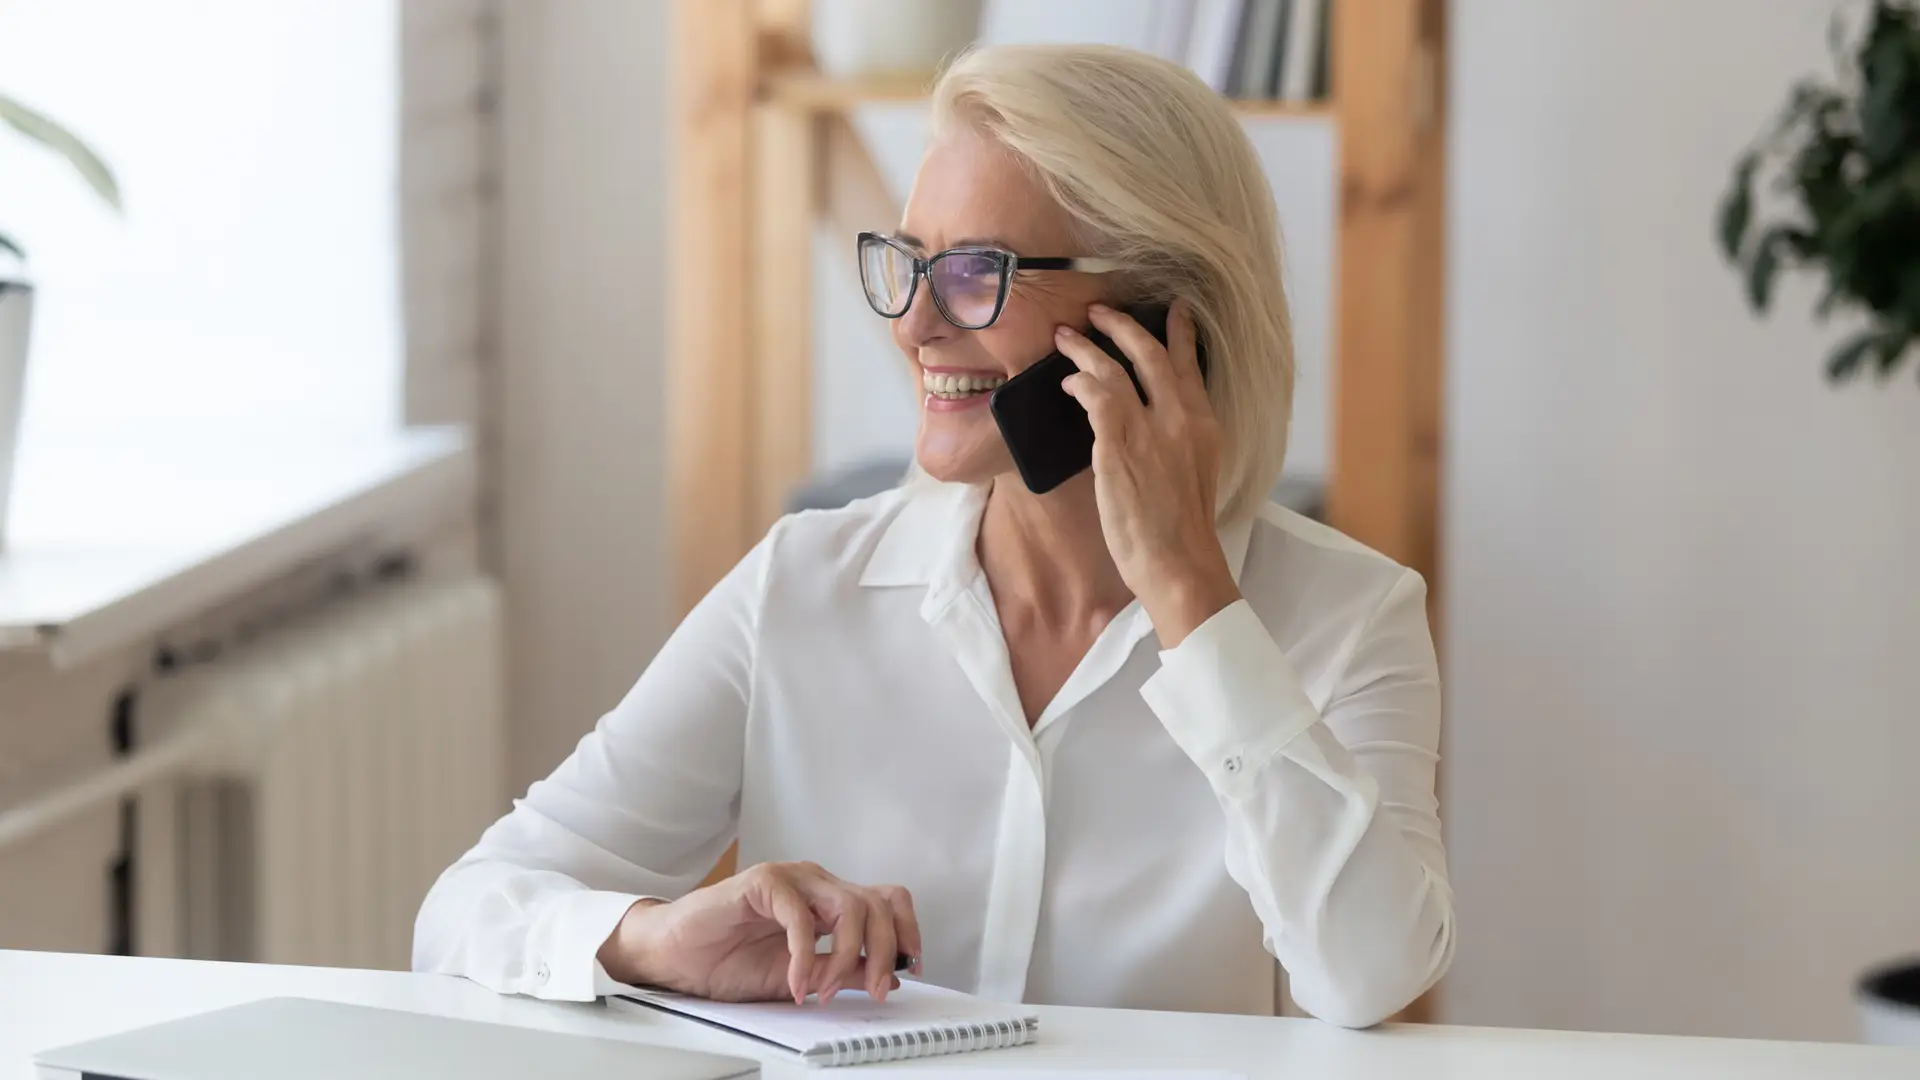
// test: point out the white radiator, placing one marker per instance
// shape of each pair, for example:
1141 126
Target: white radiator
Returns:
343 762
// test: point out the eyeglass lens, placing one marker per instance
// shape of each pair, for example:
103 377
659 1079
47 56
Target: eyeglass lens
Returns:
887 273
966 284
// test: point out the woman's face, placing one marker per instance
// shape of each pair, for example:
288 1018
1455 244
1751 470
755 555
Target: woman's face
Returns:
971 191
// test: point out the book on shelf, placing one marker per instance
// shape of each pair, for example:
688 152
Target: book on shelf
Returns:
1322 62
1257 50
1300 43
1260 28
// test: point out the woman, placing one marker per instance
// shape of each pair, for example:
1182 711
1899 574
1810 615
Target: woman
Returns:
937 720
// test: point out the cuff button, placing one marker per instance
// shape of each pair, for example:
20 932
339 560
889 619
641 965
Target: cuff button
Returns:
541 973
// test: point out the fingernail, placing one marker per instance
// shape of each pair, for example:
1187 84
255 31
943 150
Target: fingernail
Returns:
1099 309
1065 332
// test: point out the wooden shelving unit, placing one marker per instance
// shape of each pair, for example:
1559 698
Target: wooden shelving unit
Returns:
763 149
808 89
805 88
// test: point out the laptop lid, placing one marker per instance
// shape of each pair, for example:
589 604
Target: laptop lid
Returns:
302 1039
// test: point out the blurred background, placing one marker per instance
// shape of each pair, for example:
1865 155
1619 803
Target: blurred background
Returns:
420 361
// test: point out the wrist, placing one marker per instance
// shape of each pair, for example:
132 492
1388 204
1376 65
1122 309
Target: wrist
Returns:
628 953
1187 599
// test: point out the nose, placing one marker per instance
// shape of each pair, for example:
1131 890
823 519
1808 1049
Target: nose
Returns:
923 324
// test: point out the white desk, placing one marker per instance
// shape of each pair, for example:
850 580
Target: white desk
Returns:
48 999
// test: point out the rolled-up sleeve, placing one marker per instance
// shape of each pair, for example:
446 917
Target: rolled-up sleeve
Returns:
1332 823
644 807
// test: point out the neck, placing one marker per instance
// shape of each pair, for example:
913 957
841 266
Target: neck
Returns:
1047 552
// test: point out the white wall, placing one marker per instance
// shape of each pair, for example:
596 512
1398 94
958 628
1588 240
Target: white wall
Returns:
1683 625
864 403
583 309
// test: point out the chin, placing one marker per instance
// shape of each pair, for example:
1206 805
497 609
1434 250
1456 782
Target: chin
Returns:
961 457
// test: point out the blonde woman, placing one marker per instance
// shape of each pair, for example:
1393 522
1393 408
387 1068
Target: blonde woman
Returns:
1121 744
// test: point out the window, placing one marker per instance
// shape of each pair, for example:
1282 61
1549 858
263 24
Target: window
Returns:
252 284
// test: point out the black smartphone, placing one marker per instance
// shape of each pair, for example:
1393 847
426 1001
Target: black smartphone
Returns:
1046 429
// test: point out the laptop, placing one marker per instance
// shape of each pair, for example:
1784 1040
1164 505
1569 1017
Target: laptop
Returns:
300 1039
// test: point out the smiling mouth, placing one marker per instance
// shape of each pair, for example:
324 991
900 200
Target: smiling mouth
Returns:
949 387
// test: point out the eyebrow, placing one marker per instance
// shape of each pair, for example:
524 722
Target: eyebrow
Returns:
965 241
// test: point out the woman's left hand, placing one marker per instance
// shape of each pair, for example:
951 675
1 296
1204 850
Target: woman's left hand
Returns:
1156 467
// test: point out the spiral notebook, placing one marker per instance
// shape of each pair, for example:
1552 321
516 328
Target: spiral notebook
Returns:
917 1020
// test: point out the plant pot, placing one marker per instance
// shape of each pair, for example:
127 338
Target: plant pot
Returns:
1889 1001
16 317
890 37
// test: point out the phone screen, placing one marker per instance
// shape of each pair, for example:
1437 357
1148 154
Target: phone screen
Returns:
1045 428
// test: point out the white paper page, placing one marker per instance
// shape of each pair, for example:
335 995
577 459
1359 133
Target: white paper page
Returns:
890 1072
912 1007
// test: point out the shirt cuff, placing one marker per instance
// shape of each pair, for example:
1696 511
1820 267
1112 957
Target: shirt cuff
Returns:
566 962
1229 697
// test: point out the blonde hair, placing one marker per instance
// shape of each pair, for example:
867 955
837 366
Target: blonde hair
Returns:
1156 172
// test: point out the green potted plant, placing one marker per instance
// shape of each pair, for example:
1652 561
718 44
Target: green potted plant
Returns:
1843 166
1842 163
16 287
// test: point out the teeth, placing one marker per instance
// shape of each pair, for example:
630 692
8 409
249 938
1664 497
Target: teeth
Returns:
943 384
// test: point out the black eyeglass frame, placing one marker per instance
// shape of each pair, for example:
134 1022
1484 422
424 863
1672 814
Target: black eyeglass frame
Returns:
1008 264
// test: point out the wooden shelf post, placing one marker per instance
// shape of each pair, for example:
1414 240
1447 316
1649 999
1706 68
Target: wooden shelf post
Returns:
1390 101
786 181
709 339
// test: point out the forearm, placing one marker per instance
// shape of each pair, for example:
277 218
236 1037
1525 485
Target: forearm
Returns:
1349 885
1360 920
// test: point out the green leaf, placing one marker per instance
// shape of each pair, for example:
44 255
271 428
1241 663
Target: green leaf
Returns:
1736 208
1893 345
1760 272
1843 360
1883 122
1803 244
64 143
1811 102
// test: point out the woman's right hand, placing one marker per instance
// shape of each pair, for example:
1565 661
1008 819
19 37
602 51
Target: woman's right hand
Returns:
751 937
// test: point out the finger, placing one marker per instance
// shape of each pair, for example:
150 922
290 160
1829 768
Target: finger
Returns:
882 947
906 922
1148 355
849 913
1107 410
1183 347
791 911
1087 356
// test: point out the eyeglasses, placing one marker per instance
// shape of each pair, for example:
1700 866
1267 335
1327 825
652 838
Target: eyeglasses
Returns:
969 284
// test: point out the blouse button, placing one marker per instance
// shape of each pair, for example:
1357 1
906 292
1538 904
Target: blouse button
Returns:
1232 764
541 974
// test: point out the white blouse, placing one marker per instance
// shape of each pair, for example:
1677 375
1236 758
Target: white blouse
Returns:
1172 822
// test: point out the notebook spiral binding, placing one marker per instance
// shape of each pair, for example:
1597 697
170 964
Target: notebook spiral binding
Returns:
931 1042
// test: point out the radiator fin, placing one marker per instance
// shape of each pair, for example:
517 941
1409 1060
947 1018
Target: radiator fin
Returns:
369 744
